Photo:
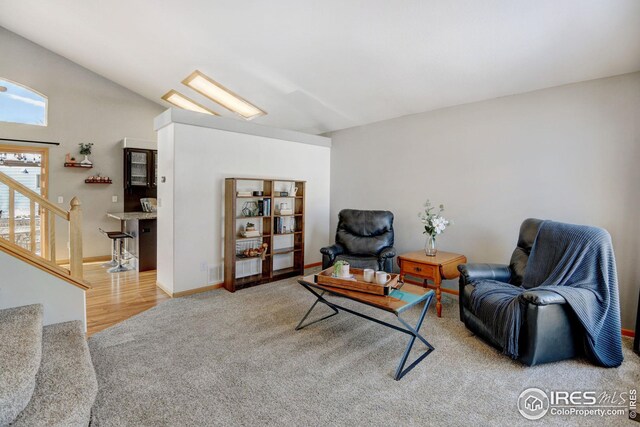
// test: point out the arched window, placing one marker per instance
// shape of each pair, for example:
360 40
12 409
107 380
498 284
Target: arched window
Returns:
19 104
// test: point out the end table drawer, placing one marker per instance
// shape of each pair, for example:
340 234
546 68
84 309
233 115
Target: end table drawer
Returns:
417 269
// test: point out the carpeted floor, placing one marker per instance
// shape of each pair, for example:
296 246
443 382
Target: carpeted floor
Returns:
235 359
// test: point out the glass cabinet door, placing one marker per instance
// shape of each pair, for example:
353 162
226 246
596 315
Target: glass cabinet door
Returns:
139 170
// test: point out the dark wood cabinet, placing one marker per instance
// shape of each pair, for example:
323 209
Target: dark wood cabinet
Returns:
140 181
140 177
143 245
140 168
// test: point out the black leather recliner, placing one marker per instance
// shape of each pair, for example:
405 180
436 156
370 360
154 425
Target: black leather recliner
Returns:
550 331
364 239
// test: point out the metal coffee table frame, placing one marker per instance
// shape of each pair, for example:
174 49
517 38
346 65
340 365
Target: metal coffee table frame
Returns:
413 332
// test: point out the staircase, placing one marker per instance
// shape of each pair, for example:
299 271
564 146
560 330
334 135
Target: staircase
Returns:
46 374
43 212
28 252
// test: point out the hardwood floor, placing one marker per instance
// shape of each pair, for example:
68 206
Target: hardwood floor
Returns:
116 297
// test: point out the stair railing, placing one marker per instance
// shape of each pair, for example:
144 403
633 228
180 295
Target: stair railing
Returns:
15 231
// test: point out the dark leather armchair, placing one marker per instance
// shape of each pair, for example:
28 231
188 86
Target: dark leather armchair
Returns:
550 331
364 239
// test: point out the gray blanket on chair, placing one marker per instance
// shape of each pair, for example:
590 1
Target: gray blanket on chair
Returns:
576 262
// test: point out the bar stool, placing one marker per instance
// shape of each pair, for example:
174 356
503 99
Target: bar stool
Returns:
118 244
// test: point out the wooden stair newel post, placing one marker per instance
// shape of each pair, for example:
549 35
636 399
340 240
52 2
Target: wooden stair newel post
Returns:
75 238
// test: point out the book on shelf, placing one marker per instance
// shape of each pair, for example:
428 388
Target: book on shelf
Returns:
251 233
260 207
266 203
284 225
244 193
286 211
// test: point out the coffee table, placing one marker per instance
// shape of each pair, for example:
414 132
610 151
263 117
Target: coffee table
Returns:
395 303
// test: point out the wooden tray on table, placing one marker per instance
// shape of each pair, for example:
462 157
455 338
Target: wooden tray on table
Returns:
357 283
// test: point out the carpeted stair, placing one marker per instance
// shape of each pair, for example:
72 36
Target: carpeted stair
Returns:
46 374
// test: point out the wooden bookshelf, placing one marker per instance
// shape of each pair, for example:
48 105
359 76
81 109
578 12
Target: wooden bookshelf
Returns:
284 234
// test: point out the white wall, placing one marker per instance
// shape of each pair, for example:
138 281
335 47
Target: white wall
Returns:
191 201
569 153
83 107
24 284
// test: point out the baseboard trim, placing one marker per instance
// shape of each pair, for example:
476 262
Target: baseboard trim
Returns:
315 264
101 258
164 289
628 333
430 286
190 291
198 290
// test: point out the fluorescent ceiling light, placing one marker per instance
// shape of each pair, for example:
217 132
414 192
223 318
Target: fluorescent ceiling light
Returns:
221 95
179 100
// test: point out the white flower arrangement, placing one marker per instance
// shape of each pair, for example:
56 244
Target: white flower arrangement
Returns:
434 222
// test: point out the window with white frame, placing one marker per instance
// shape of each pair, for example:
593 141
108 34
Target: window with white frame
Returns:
20 104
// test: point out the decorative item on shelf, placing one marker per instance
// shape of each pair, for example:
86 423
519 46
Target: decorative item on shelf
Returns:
250 209
434 224
85 150
149 204
258 193
284 209
243 194
67 159
250 230
284 194
294 192
97 179
260 251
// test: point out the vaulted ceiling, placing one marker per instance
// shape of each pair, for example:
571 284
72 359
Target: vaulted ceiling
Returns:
318 66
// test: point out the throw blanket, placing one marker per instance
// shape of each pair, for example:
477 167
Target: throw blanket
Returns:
576 262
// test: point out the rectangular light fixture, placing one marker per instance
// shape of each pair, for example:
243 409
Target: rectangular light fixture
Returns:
179 100
221 95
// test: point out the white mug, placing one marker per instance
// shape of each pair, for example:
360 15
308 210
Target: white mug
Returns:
382 277
368 275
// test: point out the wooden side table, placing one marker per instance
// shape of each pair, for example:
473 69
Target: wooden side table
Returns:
435 268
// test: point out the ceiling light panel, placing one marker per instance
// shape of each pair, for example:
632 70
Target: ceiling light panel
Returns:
179 100
221 95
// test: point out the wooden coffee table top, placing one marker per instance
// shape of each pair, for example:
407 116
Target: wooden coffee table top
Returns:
396 302
441 257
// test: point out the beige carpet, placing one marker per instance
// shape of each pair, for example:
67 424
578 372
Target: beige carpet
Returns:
235 359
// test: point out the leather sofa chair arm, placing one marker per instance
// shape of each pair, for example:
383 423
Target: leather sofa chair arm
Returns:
473 272
332 251
388 252
542 297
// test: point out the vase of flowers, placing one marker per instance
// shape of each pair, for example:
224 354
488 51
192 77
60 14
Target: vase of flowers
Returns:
434 224
85 150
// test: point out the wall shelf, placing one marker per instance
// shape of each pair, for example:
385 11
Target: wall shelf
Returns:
77 165
86 181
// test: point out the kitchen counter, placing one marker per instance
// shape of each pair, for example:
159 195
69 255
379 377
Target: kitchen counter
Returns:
142 226
129 216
